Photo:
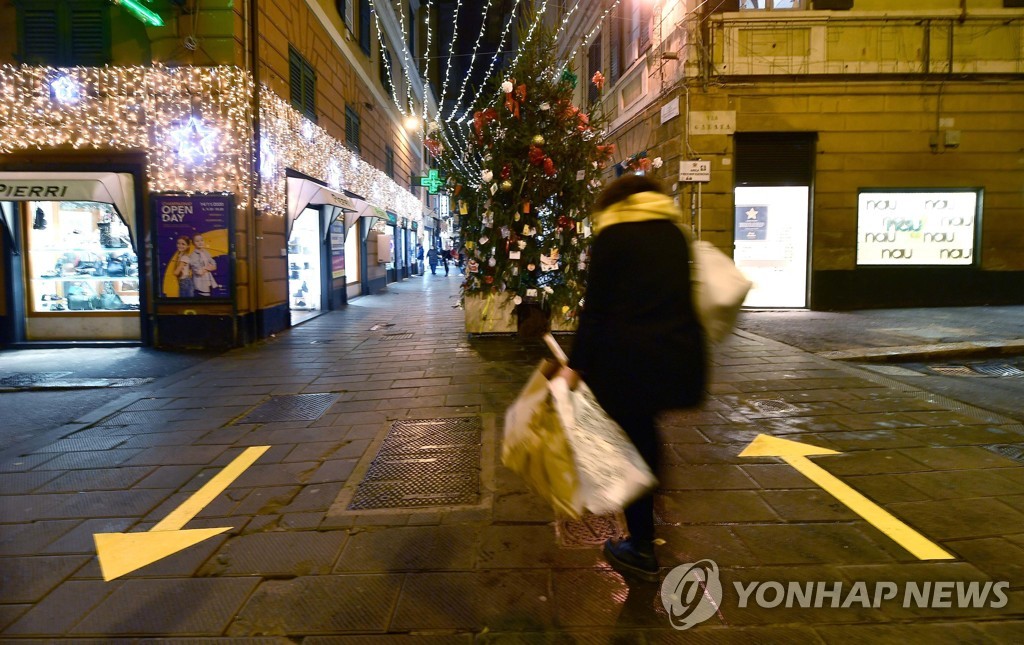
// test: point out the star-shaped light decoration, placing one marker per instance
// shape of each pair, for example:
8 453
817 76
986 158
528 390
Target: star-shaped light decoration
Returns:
194 140
334 175
268 159
65 90
752 213
307 130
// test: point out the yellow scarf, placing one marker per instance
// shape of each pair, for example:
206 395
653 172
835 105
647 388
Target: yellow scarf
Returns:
639 207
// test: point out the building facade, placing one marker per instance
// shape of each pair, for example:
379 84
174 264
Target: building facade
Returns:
849 153
203 173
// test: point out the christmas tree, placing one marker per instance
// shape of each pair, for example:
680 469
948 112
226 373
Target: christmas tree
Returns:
524 183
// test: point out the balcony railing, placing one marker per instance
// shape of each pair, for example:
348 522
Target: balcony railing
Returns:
810 43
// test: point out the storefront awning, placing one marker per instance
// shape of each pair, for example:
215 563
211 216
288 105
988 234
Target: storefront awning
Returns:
303 193
364 210
114 188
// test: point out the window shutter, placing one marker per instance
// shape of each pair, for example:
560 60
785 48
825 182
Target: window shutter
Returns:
40 35
364 26
89 36
644 40
295 79
309 91
615 46
593 65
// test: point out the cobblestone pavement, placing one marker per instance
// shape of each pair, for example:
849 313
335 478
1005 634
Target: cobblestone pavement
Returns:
395 374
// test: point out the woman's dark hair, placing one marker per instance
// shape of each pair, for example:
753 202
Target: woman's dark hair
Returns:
625 186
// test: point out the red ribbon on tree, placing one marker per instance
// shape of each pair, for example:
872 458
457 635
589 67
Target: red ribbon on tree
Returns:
482 118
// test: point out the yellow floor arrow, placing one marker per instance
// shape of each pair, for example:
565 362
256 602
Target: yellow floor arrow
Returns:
121 553
796 455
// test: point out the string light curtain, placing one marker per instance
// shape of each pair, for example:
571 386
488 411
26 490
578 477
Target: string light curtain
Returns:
195 125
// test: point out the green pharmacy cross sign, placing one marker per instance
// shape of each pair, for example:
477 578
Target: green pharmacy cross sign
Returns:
141 12
433 181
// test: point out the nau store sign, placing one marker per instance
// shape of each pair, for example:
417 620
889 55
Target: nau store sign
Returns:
915 228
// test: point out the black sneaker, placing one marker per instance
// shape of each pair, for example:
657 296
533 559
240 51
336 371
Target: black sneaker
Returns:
627 559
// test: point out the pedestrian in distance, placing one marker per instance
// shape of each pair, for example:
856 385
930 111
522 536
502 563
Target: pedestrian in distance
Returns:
419 256
444 260
432 260
640 346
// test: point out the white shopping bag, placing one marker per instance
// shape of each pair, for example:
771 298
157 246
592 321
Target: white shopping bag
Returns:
611 473
719 289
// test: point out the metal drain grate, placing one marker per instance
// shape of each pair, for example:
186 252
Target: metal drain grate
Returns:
588 531
953 370
773 406
424 462
290 407
402 336
1008 450
998 369
139 418
28 379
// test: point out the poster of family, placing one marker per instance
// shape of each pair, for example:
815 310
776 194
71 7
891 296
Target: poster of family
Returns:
193 245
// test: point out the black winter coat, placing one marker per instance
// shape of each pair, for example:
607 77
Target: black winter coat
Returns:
639 341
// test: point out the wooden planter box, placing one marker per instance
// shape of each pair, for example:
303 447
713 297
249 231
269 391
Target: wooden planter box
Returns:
495 314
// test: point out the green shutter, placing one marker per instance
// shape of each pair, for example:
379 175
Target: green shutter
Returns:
295 78
89 36
40 35
615 45
309 91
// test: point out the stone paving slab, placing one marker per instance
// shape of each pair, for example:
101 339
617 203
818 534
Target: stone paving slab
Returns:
294 566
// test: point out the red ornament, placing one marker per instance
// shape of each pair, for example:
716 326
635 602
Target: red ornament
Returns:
535 155
489 279
598 80
506 172
549 167
566 222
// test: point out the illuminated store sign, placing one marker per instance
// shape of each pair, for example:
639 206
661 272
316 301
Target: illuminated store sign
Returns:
916 228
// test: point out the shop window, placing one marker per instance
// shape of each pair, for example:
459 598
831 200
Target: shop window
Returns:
351 129
364 26
389 161
79 258
771 5
63 33
302 84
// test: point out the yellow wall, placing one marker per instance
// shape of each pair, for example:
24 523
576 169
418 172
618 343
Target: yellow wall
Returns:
875 135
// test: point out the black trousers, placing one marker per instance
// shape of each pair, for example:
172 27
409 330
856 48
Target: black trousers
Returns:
639 424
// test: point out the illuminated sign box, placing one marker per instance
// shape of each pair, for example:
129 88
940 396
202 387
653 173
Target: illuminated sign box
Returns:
917 228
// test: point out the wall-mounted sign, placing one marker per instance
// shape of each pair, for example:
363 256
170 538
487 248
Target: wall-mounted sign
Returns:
751 223
917 228
670 110
714 122
694 171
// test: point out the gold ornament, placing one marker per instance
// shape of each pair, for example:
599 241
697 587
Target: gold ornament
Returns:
538 140
506 185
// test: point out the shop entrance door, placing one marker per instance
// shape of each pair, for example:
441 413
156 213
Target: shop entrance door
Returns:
305 267
774 174
771 244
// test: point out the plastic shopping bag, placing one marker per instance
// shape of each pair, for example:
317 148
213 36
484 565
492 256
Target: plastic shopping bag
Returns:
535 445
567 447
611 472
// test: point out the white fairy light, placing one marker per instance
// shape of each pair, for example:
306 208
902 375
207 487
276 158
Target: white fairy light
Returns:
490 68
472 59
